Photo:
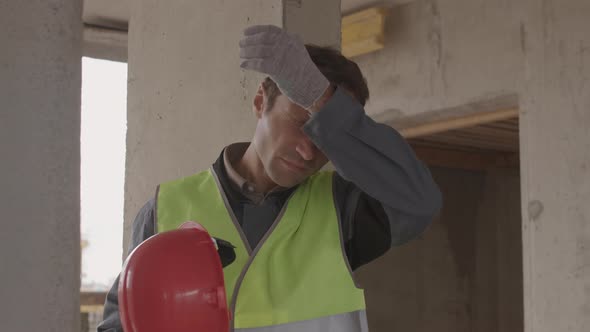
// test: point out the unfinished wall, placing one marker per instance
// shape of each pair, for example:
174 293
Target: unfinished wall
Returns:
450 55
456 57
555 141
444 55
456 276
40 79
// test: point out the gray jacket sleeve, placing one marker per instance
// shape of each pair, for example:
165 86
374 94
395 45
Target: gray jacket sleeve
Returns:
143 228
374 161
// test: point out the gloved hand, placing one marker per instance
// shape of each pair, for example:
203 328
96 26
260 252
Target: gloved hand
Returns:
273 51
226 252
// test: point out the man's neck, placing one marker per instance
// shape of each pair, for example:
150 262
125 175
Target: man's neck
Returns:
251 168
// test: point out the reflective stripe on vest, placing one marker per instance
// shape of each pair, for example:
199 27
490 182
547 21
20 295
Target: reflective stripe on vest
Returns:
349 322
297 274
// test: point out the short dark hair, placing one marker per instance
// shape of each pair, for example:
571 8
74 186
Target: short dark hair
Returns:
338 69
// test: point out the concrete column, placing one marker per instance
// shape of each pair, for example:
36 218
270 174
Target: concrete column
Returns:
40 81
188 97
555 159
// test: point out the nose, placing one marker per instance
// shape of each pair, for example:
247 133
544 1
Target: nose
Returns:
306 148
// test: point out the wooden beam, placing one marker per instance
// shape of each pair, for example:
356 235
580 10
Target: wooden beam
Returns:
92 301
457 123
364 46
474 161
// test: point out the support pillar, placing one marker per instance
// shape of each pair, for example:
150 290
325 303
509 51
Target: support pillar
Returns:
555 165
40 79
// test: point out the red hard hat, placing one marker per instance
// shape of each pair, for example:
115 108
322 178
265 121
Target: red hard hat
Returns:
173 281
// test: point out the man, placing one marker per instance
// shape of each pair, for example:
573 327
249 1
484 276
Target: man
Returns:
299 233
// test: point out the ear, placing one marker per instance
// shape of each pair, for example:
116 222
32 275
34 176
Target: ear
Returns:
259 102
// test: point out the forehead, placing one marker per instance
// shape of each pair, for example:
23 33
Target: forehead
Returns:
285 107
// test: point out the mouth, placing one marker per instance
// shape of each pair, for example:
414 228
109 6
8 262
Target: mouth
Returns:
293 166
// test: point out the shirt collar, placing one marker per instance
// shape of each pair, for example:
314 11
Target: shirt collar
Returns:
231 156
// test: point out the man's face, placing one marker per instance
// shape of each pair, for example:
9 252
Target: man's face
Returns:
287 154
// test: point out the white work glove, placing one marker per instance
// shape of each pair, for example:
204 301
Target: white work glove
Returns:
282 56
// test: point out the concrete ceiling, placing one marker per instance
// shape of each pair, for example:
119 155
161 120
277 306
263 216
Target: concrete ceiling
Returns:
114 14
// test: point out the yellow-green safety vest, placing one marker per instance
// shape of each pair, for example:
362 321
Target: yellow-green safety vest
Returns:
297 278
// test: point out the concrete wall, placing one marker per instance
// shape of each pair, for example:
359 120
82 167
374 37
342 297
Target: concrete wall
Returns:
460 56
187 96
40 80
555 140
441 55
464 273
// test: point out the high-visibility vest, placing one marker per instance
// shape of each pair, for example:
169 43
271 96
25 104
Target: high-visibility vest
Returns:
297 278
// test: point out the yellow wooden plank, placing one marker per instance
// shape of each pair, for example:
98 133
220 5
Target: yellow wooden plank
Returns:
363 15
363 32
362 47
